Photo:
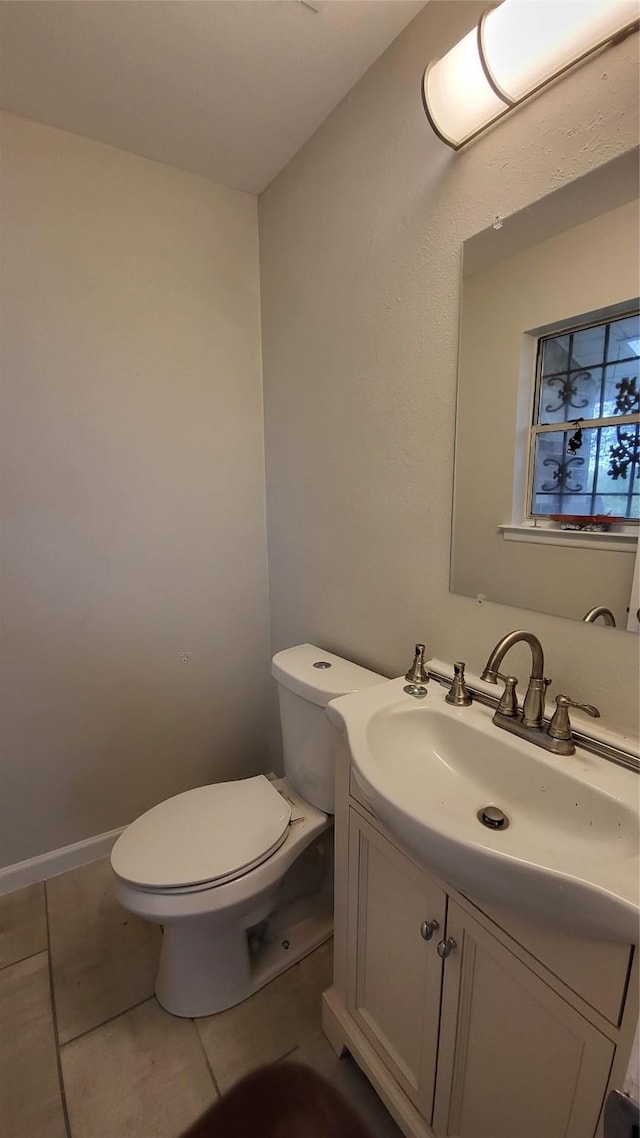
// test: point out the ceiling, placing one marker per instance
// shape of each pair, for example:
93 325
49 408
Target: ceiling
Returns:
229 89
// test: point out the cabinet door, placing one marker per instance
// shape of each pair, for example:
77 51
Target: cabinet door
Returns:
394 974
515 1058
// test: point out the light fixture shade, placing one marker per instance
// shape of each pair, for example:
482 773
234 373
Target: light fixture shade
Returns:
525 43
458 99
517 48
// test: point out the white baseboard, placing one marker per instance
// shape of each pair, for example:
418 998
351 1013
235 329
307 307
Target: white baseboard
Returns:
50 864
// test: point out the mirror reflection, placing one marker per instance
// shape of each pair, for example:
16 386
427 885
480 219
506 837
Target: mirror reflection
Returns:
547 471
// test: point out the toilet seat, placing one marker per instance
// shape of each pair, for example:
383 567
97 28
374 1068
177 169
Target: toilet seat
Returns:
206 836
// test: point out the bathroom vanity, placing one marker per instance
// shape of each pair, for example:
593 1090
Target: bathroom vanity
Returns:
470 1019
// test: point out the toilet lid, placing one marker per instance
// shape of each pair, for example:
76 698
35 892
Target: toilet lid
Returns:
203 835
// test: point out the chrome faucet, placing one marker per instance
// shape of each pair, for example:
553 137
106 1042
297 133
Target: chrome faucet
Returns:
529 723
533 706
604 612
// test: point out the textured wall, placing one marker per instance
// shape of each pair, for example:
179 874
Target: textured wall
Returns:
133 520
360 240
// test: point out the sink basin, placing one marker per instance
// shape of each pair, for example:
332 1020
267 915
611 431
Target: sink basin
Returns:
569 852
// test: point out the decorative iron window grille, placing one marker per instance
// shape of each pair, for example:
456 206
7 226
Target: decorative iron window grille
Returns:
584 454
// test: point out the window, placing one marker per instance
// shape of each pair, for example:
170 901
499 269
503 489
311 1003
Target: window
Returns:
584 454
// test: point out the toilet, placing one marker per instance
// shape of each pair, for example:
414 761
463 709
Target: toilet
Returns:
240 874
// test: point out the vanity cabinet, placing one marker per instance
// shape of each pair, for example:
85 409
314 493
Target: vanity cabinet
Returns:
514 1058
465 1030
394 983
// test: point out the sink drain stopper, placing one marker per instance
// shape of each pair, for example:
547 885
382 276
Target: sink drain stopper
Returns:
492 817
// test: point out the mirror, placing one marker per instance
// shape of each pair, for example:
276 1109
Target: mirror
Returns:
571 257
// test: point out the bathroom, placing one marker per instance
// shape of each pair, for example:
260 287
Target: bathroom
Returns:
230 420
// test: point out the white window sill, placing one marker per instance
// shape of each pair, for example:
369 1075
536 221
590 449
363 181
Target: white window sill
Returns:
624 540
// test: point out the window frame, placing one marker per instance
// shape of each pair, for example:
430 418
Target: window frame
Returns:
536 429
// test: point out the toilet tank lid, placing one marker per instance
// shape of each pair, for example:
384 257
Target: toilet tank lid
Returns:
296 669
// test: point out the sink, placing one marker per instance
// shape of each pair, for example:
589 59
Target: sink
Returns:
569 851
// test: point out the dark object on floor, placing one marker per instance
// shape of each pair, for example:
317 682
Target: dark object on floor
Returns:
621 1116
283 1101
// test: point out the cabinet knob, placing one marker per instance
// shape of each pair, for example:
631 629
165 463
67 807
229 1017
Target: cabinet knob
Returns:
427 929
444 947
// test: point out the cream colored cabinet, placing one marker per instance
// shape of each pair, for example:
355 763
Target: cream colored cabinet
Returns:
514 1057
464 1032
394 982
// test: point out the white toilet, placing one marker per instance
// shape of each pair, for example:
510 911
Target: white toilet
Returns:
240 874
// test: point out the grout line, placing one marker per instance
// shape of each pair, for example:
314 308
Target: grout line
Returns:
54 1017
110 1019
287 1054
206 1059
22 959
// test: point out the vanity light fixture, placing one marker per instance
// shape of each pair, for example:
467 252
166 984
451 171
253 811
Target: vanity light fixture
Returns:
516 49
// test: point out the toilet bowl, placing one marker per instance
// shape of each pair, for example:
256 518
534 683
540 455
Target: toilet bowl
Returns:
240 874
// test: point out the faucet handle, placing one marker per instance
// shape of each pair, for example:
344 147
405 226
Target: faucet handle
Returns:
509 702
458 693
560 725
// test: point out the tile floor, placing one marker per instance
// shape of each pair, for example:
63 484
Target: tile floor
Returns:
87 1052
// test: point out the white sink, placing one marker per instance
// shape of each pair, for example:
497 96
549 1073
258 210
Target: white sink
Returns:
570 853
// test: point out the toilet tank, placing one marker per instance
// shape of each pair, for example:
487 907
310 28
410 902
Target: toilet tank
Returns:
308 678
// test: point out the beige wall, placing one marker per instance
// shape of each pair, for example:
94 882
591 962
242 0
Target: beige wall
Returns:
132 484
133 522
588 268
360 242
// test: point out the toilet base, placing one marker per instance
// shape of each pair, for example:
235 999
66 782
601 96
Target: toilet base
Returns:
221 944
208 965
186 983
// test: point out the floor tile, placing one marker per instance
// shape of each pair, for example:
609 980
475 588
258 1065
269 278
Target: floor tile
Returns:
272 1022
142 1075
347 1078
30 1101
23 924
104 959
